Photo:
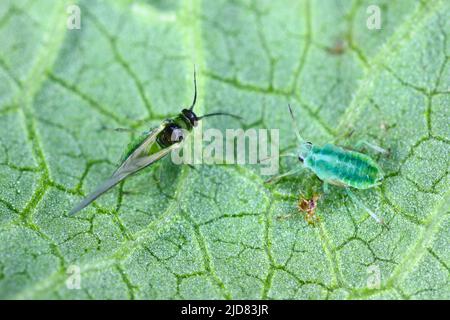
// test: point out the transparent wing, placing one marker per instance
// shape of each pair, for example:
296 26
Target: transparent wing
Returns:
138 160
142 150
108 184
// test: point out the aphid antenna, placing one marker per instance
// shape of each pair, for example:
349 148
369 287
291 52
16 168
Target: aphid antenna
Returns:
283 155
219 114
195 91
291 155
294 122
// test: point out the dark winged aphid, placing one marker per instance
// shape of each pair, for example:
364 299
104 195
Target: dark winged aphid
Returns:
150 147
338 166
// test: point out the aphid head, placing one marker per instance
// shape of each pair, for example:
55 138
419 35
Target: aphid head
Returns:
190 116
304 150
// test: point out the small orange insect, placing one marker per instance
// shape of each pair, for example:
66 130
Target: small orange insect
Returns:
338 48
308 206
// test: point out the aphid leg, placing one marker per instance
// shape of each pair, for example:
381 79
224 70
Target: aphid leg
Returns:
123 130
345 134
192 167
104 128
284 217
372 146
376 184
359 202
278 177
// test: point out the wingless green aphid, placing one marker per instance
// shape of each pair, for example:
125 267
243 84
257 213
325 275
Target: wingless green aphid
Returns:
338 166
150 147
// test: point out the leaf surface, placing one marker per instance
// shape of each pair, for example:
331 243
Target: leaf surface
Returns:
219 231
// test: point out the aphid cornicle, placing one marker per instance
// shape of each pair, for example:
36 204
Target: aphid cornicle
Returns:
338 166
150 147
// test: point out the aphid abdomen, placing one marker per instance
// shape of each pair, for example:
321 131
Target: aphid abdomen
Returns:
343 167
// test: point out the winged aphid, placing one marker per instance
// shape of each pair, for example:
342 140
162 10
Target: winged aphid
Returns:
150 147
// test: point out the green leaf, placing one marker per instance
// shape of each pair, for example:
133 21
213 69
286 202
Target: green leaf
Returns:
216 232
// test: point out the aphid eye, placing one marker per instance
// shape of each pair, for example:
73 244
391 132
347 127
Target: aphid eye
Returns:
309 143
300 159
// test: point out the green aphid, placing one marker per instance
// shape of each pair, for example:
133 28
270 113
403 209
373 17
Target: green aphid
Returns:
150 147
338 166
